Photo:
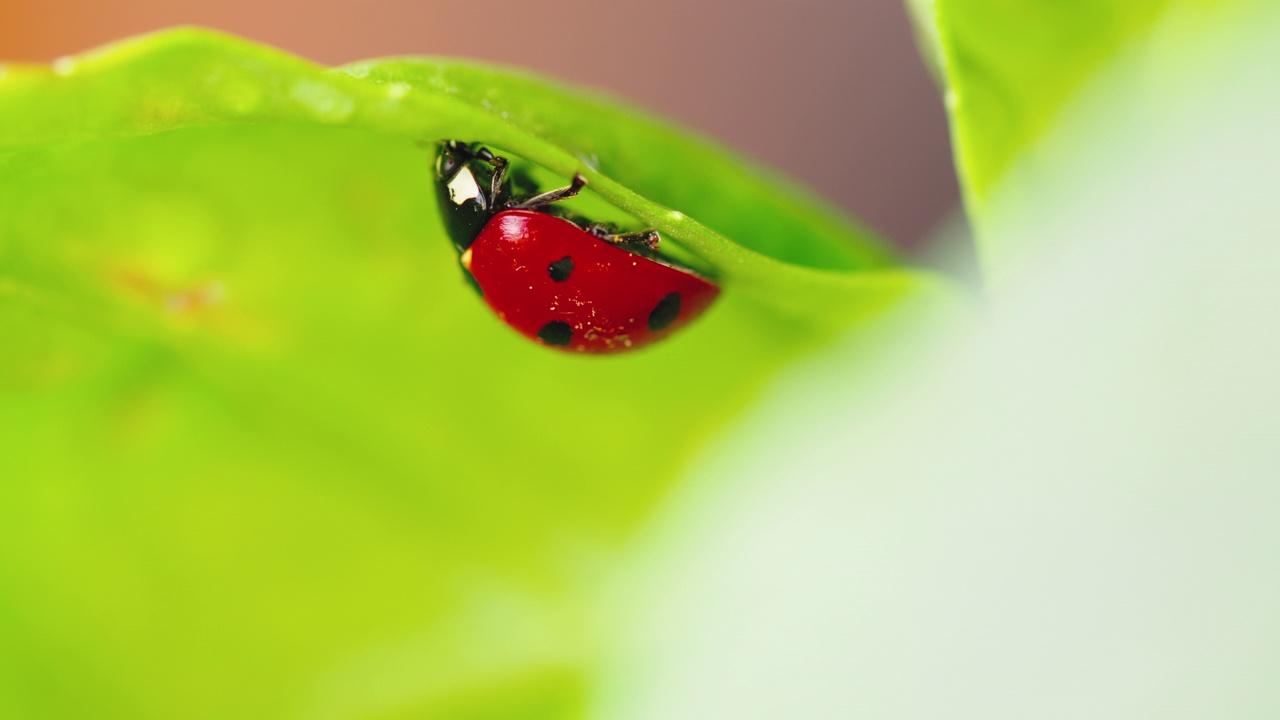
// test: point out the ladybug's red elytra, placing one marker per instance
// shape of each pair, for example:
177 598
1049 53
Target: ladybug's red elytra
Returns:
558 280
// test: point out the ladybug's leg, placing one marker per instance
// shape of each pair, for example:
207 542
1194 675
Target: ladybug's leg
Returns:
640 238
485 155
551 196
499 164
480 153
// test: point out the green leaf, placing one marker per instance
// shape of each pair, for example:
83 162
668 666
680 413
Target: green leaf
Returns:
265 454
924 20
1013 68
1091 529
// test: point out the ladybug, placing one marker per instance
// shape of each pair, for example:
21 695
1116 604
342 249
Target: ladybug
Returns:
558 279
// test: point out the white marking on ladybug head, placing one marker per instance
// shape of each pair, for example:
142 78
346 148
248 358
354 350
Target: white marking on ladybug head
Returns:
463 187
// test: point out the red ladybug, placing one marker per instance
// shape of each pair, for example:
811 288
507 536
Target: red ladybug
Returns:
570 285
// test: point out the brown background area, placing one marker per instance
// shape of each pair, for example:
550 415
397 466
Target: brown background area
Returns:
831 92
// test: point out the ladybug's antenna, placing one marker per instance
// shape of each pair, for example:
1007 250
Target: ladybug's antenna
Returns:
499 164
485 155
550 196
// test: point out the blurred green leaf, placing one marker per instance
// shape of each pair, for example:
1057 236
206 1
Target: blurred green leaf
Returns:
265 455
1012 68
1090 530
924 20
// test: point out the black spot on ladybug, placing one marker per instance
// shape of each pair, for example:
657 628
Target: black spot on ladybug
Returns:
665 313
560 269
556 333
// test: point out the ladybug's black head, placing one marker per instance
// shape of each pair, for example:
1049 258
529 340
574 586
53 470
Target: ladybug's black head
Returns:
465 189
451 155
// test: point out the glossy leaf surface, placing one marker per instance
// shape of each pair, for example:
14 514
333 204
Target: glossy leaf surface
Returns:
264 452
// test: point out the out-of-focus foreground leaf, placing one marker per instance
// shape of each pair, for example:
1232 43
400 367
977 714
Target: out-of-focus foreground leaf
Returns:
263 454
1011 69
1090 530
